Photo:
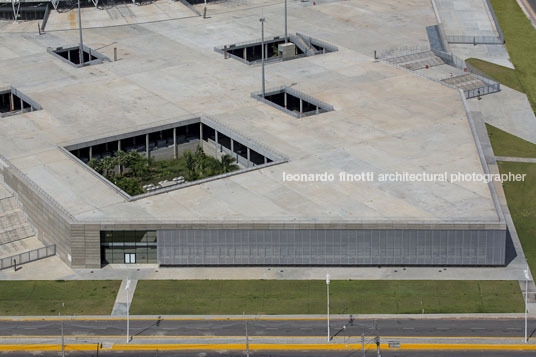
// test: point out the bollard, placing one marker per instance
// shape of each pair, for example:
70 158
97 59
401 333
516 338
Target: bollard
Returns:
205 12
115 54
375 57
225 56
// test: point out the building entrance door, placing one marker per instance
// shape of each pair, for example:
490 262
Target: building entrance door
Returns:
130 258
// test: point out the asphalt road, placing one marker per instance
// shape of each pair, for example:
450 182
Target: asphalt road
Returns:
272 327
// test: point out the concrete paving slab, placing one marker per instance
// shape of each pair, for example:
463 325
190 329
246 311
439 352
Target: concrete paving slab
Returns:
466 18
508 110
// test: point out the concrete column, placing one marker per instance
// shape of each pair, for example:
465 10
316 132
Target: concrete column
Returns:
245 53
265 160
201 134
11 102
232 146
147 145
248 153
301 106
175 153
285 98
21 105
317 110
118 145
69 55
90 152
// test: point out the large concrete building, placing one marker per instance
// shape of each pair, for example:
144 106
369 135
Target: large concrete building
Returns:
169 90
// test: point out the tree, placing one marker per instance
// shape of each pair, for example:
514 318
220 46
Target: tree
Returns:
95 165
190 165
227 163
121 159
108 164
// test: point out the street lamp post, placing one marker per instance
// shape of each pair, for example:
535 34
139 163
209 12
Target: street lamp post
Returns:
128 322
80 29
327 285
527 278
286 37
262 19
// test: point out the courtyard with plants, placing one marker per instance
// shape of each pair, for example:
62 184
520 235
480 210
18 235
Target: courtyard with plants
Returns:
131 171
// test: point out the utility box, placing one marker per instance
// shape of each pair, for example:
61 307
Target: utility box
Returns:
286 50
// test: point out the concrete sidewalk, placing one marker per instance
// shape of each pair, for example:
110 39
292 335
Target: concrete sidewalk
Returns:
482 316
122 299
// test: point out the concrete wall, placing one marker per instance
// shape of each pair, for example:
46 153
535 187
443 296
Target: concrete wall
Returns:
213 150
332 247
167 153
52 227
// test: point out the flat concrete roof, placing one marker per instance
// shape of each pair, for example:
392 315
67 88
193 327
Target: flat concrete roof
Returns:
385 120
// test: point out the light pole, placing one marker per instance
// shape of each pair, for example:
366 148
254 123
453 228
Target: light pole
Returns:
327 285
62 334
262 53
128 323
80 29
527 278
286 38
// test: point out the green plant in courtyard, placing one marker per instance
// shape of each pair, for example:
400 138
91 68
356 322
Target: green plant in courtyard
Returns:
130 171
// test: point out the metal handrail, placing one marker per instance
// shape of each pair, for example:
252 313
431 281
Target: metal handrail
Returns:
27 257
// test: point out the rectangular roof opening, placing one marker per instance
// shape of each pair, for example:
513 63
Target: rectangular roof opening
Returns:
14 102
72 55
293 102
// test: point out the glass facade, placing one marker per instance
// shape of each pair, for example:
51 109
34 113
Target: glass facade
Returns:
128 247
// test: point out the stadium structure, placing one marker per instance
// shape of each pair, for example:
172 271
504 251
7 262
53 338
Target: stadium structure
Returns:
160 87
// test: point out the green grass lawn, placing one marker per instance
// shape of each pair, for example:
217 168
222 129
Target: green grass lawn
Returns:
503 75
506 144
522 204
45 297
520 39
170 297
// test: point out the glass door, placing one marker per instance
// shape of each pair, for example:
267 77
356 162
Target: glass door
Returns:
130 258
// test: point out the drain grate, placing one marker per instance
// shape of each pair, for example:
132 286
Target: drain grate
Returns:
14 102
293 102
275 49
72 56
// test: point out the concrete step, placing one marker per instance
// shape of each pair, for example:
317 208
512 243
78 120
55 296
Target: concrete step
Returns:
417 61
16 233
465 82
8 204
20 246
302 45
11 219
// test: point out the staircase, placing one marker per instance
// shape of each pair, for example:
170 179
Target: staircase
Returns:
306 48
417 61
16 233
465 82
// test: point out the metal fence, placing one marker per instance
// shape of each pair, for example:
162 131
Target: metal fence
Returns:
477 92
27 257
474 40
401 51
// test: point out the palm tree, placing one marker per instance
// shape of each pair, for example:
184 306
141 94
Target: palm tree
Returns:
227 163
121 158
